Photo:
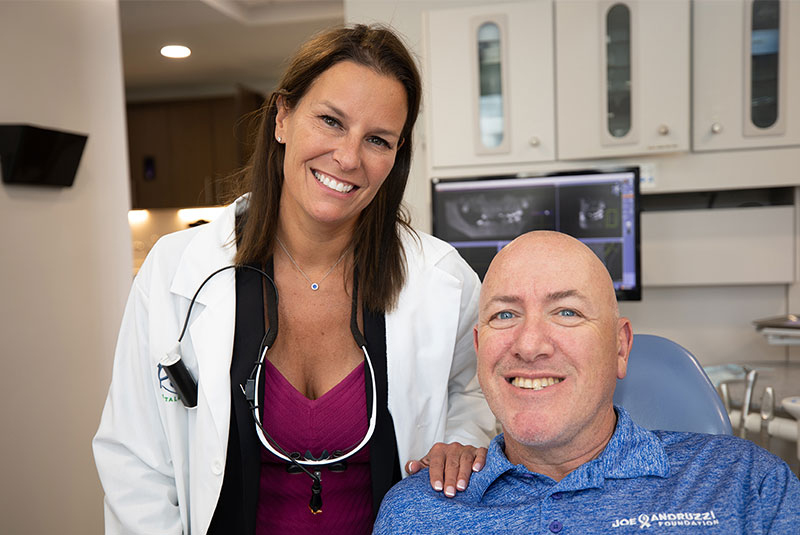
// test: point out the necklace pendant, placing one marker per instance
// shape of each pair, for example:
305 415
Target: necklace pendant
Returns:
314 285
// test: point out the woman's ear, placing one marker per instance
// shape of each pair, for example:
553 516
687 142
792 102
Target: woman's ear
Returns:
281 116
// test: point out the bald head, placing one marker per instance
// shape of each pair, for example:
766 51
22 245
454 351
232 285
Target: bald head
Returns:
540 253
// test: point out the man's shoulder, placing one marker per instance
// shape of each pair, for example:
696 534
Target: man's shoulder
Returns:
757 487
724 447
414 490
417 484
733 456
412 506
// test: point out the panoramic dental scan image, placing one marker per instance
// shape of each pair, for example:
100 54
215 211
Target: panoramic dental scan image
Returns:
497 214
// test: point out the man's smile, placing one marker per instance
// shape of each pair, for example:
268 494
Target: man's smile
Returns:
538 383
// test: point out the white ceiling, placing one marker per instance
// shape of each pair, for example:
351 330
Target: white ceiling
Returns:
232 41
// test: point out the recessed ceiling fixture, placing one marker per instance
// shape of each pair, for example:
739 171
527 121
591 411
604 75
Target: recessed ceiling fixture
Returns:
175 51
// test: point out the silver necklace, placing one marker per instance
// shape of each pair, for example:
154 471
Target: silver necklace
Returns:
314 285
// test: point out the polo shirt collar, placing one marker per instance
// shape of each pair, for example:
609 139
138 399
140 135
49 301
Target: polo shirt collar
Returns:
497 464
632 452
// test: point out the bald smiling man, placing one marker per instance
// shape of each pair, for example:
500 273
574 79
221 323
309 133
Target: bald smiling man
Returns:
551 346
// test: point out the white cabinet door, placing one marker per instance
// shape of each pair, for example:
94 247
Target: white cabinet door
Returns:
746 74
622 77
489 84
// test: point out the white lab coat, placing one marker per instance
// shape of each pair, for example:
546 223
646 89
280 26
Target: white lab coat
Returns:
162 465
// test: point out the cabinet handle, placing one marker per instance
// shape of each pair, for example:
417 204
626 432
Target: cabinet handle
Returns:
534 141
716 128
663 130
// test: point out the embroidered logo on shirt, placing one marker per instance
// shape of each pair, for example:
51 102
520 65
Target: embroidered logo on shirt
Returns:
167 390
650 520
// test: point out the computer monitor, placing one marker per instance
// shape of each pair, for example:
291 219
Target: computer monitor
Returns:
478 216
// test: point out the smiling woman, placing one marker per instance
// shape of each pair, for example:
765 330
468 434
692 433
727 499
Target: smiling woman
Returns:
372 369
350 55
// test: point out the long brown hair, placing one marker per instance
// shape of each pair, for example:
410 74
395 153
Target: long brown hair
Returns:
378 251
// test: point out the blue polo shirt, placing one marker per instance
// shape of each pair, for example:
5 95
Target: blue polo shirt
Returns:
643 482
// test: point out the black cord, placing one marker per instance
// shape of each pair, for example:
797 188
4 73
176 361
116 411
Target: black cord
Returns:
197 292
315 504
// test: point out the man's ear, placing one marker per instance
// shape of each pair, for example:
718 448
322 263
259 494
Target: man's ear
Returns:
475 337
624 344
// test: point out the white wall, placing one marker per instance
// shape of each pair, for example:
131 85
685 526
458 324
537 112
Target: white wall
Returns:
66 263
714 322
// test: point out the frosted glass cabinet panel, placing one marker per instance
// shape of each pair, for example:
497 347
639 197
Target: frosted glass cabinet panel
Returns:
746 99
491 116
618 70
622 77
489 84
763 68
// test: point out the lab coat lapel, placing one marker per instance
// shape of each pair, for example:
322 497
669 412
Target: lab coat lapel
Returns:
212 340
211 327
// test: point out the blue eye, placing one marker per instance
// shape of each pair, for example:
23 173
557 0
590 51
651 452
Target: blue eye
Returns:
505 315
567 313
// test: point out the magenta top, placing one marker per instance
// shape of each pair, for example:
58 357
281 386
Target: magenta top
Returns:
335 421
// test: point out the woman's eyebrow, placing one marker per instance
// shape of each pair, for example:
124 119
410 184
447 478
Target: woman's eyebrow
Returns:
343 115
334 109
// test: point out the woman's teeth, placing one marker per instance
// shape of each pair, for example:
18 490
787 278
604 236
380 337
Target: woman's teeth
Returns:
535 384
331 183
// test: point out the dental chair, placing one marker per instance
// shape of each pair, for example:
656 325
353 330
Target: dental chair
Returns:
666 388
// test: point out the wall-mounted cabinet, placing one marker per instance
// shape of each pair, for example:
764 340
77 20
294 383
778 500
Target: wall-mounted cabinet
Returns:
746 65
622 77
640 79
180 150
489 75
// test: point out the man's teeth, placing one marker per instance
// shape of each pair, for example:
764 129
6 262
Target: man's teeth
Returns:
535 384
333 184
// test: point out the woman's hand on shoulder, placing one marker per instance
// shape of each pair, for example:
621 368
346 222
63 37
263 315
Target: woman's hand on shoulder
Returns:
450 465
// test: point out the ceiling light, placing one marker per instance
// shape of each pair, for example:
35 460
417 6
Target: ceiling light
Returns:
175 51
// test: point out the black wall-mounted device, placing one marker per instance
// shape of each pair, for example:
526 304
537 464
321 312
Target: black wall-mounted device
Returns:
37 156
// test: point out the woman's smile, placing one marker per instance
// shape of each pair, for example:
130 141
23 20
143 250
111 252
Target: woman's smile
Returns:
332 183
